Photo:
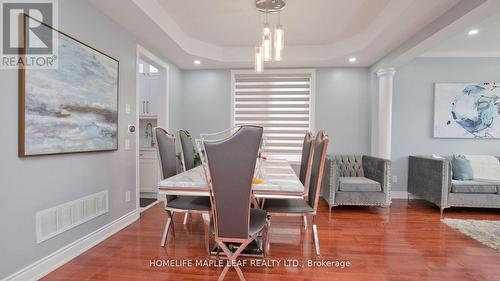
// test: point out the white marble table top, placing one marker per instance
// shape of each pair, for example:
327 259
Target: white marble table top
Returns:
279 181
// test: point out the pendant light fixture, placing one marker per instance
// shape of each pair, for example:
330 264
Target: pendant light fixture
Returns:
270 44
279 40
259 59
266 41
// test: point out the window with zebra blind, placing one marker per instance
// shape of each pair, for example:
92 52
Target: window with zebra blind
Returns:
281 101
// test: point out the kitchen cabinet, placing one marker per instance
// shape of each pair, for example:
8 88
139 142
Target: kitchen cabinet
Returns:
149 171
149 92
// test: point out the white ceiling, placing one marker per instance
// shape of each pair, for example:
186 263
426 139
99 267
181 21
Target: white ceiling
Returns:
318 33
237 23
484 44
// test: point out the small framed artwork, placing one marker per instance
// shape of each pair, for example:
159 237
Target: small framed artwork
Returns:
467 110
72 108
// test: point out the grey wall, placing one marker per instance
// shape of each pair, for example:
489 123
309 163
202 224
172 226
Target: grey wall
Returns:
175 93
413 109
32 184
342 105
343 108
206 101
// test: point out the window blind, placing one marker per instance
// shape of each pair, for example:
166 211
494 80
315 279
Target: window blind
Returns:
281 103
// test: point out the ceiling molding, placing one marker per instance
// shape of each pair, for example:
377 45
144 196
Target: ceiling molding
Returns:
461 17
392 25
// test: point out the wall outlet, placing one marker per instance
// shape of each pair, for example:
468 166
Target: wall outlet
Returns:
394 179
127 144
127 196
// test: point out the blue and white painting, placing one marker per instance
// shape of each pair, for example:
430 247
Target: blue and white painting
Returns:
467 110
73 108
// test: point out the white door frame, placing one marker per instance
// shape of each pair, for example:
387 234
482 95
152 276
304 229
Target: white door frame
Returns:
163 119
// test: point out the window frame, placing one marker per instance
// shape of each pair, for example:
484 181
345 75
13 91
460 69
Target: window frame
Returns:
312 101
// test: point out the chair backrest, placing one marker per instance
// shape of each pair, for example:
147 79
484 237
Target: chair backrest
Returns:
350 165
306 161
318 167
166 152
230 170
187 150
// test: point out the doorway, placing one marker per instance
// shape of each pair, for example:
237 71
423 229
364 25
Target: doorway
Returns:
152 111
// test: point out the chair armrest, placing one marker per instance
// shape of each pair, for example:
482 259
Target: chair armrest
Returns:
379 170
430 179
330 180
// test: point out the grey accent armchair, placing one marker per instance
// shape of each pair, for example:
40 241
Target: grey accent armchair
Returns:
357 180
431 179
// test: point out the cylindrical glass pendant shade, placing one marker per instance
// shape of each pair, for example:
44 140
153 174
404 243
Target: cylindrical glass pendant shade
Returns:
259 59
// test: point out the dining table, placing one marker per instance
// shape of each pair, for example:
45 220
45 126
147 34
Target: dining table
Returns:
276 179
273 179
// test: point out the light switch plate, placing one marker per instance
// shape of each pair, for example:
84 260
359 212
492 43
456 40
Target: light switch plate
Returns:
127 108
127 144
127 196
394 179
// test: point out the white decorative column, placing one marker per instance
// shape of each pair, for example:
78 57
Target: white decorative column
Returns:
385 83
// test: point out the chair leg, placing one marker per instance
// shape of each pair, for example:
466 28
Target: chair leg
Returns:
265 243
168 224
315 235
206 224
231 257
305 221
186 216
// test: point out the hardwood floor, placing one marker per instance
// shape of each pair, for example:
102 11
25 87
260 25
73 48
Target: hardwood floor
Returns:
405 242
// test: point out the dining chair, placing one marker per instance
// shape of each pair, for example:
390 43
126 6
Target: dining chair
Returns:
187 156
305 165
307 206
174 203
230 166
306 161
187 150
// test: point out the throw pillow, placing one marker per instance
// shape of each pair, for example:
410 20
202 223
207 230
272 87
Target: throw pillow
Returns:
462 169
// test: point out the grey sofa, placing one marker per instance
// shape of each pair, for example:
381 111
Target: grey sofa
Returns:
356 180
431 179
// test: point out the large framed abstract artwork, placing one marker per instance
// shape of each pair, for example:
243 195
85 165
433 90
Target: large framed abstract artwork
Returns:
467 110
72 108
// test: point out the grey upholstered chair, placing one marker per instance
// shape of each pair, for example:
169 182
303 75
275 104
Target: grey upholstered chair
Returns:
305 165
230 167
357 180
187 150
305 161
309 206
187 156
173 203
431 179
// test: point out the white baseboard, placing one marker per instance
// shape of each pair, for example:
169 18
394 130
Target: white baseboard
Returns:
402 195
58 258
149 206
151 195
161 197
399 194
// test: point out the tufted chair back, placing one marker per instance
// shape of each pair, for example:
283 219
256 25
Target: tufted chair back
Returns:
350 165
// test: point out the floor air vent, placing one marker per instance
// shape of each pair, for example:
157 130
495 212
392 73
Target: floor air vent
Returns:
50 222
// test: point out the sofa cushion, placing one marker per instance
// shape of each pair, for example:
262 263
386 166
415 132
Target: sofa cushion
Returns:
485 167
474 186
358 184
462 169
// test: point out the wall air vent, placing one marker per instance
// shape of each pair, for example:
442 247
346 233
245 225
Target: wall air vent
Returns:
53 221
